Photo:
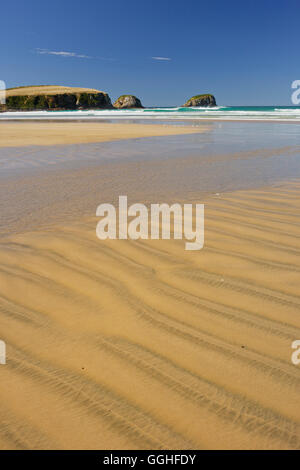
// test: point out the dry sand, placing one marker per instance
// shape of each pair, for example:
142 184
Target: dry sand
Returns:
140 344
19 134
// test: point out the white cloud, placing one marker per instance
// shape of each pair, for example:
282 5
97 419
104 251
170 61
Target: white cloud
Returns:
62 53
161 58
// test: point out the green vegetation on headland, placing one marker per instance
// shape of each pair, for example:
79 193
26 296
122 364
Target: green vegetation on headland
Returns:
50 97
55 98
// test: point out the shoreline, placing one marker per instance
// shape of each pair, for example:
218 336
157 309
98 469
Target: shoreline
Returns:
144 119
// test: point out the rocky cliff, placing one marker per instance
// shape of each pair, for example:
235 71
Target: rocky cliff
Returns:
55 98
201 100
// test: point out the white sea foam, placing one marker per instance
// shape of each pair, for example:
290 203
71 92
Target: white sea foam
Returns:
176 113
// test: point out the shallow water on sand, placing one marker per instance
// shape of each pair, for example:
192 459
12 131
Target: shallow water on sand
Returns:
219 138
51 184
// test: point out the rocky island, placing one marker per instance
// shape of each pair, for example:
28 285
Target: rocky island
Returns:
56 98
207 100
127 101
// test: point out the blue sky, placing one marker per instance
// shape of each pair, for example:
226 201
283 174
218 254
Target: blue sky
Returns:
245 52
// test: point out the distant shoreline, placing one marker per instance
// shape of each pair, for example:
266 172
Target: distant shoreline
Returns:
143 120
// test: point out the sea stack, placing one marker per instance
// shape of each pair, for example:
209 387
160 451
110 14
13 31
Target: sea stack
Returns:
201 100
127 101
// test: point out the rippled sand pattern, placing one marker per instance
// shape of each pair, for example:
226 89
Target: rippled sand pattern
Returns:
141 344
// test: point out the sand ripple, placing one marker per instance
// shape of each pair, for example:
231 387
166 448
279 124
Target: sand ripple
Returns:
139 344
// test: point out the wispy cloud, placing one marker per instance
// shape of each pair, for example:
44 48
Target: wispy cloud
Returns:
62 53
161 58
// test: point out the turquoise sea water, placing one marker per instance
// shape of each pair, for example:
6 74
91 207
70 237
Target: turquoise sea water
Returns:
254 113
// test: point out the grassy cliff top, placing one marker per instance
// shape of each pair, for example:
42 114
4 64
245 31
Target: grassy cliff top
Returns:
47 90
124 96
205 95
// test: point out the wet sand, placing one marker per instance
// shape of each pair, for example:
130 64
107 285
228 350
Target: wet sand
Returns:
19 134
140 344
125 344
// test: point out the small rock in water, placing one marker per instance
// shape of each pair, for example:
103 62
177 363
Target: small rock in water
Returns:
128 101
206 100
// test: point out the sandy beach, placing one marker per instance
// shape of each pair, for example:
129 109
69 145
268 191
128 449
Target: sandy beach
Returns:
129 344
19 134
125 344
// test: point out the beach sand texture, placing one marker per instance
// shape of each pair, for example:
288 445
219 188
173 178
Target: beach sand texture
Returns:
143 345
14 134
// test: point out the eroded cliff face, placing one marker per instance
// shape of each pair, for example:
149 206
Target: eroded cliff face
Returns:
127 101
61 101
201 100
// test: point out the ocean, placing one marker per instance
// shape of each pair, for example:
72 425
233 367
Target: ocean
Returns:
228 113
